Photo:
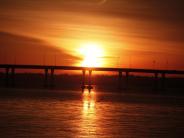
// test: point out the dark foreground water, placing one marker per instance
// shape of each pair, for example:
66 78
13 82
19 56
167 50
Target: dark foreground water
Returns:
52 114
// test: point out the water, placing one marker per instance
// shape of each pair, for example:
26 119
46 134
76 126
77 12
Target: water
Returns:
41 113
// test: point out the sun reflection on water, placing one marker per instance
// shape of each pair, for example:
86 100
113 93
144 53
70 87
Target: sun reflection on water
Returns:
89 99
89 122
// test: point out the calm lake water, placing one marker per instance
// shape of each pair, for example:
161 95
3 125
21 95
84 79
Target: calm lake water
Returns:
52 114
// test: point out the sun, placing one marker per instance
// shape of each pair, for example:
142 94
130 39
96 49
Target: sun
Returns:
92 54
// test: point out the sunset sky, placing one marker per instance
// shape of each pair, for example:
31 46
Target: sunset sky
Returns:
110 33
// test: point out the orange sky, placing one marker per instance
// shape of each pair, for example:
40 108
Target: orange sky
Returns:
131 33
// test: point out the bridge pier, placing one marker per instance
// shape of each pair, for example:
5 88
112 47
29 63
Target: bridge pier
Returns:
126 80
90 80
163 81
49 78
46 78
83 79
12 77
89 85
120 76
7 77
159 82
155 82
120 80
52 78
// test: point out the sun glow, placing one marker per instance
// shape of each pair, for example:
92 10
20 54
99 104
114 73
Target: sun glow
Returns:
92 54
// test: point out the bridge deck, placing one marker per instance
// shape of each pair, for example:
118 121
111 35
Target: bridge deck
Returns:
91 68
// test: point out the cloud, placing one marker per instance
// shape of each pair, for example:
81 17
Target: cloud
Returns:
160 9
30 50
162 19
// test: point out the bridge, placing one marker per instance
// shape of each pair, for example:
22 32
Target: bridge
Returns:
10 71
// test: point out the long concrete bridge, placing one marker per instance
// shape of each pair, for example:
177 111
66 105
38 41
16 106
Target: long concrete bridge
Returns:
10 71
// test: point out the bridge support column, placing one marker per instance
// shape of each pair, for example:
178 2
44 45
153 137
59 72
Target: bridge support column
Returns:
126 80
83 79
163 81
155 82
52 78
7 77
89 79
12 77
46 78
120 80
